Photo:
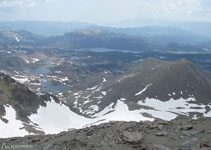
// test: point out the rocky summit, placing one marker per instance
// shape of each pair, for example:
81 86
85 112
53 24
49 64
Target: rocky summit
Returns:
157 135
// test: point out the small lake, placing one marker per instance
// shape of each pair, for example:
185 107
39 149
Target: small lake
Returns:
41 70
108 50
47 85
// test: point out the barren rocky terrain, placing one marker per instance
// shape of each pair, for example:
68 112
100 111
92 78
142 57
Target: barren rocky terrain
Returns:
179 134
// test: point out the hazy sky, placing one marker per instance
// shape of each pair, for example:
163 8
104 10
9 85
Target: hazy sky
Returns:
105 11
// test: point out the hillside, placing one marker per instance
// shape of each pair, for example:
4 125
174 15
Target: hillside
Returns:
153 88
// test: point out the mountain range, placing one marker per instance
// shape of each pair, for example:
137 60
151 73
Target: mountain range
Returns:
150 39
53 28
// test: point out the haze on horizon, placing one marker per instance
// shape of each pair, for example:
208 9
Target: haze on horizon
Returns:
105 12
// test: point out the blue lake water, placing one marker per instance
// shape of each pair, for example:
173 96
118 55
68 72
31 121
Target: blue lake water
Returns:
41 70
107 50
47 84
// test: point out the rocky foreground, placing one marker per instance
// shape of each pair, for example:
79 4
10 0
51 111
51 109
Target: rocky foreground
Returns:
180 134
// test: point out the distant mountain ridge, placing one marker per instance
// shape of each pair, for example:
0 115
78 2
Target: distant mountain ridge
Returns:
14 37
59 28
48 28
149 39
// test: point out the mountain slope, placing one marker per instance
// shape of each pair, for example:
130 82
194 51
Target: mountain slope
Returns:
17 105
154 88
14 37
163 78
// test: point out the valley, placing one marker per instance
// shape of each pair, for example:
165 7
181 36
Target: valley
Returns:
99 85
105 75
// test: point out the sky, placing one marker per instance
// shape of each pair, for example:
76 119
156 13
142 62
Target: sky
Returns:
105 12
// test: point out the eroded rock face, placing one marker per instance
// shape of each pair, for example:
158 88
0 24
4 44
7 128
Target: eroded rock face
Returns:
124 136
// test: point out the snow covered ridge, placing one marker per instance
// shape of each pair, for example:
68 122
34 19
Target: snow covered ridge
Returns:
56 117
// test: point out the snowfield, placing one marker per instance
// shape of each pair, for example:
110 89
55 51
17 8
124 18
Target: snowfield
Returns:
56 117
13 127
169 110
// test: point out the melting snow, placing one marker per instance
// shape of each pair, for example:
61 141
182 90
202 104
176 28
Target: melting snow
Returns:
75 94
99 97
64 79
93 88
126 76
92 109
120 113
168 110
55 118
35 60
21 80
104 80
13 127
139 93
104 93
123 99
17 39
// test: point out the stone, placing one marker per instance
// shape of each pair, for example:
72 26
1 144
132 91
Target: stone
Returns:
192 144
205 144
188 127
161 134
160 147
48 147
132 137
192 133
154 124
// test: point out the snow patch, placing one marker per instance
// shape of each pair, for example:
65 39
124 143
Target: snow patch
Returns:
139 93
121 112
93 88
104 93
21 79
14 127
92 109
34 60
104 80
55 118
17 39
169 110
